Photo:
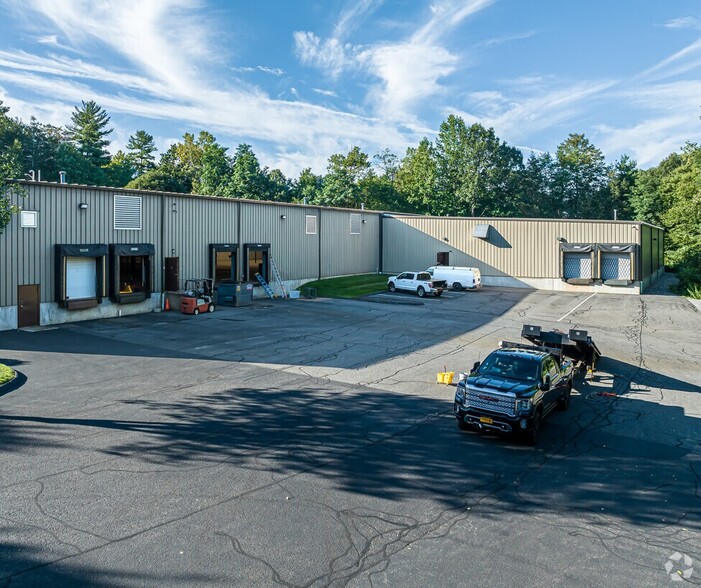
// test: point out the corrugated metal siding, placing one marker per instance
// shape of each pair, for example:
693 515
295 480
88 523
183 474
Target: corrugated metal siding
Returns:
190 226
296 254
343 253
519 248
28 254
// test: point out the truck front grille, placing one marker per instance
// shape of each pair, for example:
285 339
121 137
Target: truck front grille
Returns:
491 401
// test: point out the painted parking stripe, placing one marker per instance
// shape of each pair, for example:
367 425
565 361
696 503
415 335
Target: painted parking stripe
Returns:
576 307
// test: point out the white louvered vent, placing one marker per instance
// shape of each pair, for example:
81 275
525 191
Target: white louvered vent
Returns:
355 224
127 212
310 224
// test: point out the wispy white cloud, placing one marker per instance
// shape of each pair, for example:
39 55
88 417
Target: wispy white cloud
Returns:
679 63
684 22
274 71
330 55
329 93
354 13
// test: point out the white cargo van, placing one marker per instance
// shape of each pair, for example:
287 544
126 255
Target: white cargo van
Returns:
458 278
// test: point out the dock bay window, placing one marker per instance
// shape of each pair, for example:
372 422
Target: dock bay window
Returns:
131 271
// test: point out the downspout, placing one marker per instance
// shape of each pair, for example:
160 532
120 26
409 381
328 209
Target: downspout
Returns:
239 249
381 239
319 241
162 260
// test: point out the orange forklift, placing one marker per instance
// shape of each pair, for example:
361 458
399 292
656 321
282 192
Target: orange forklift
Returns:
197 296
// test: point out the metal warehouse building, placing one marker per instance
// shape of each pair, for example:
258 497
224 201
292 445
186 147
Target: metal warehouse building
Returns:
83 252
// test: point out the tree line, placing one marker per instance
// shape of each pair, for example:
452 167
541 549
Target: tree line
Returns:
466 171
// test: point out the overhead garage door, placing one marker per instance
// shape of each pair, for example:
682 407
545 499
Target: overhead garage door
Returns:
577 265
80 277
615 266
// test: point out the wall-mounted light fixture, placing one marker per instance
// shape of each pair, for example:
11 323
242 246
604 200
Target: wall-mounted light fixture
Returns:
562 240
445 239
174 207
364 221
83 205
283 216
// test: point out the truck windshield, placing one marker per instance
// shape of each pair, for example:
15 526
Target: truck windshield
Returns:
510 366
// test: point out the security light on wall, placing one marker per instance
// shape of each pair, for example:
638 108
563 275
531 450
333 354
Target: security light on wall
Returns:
445 239
283 216
83 205
562 240
364 221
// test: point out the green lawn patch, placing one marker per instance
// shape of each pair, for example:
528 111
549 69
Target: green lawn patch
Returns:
348 286
6 374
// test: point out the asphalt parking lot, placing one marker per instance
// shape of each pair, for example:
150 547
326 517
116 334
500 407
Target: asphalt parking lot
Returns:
306 443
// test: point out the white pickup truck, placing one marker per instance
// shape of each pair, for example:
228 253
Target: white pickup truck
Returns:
420 282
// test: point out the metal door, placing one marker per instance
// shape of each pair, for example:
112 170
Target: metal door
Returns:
172 274
28 306
442 258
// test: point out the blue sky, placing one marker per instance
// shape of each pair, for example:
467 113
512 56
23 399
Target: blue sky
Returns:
300 80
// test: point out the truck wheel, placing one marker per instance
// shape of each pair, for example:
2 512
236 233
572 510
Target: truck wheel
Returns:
534 433
196 311
564 401
392 287
421 292
457 286
439 293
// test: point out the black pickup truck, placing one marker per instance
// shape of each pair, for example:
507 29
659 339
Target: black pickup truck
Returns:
512 391
518 385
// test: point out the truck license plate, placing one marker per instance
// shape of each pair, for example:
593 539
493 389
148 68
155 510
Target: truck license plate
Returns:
486 420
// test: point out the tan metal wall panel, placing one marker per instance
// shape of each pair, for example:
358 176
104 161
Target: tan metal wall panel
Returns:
190 226
518 248
345 254
296 254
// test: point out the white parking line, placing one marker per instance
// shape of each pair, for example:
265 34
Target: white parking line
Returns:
576 307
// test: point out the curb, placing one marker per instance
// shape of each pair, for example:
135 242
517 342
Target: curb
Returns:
14 383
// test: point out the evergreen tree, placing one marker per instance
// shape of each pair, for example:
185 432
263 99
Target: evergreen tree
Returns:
88 131
141 148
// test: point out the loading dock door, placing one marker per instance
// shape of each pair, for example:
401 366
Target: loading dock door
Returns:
81 276
617 263
577 262
577 265
615 266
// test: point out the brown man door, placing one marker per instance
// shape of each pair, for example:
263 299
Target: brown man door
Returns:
172 274
28 306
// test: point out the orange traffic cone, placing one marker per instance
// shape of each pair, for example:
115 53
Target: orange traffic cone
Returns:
167 306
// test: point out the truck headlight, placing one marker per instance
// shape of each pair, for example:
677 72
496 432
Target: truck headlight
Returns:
523 405
460 395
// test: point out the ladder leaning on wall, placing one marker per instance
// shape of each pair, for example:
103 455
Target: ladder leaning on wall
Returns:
278 279
266 286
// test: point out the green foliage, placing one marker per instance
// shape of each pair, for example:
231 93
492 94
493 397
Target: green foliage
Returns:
581 179
7 374
88 131
165 178
349 286
119 171
141 148
307 188
7 208
416 178
343 184
247 178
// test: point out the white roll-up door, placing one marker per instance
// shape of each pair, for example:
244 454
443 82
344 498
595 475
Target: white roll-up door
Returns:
81 273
